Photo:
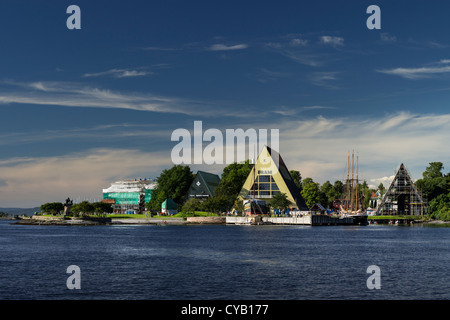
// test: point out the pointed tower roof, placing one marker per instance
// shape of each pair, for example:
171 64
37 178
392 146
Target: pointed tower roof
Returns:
402 196
269 177
203 185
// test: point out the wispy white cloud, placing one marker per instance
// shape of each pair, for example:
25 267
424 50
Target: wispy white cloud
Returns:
119 73
285 111
72 95
78 95
159 49
308 59
439 68
292 111
298 42
332 41
416 73
265 75
386 37
325 79
295 53
94 133
303 49
223 47
425 44
318 107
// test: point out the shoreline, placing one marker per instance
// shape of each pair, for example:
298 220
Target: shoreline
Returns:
216 220
93 221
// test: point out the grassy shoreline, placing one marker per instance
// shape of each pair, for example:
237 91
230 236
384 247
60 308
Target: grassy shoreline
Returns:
209 214
398 217
143 216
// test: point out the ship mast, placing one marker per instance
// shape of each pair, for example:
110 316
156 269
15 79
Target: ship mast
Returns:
356 192
353 165
348 182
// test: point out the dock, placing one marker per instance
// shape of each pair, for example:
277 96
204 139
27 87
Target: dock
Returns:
310 220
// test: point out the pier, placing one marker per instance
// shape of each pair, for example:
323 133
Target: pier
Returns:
310 220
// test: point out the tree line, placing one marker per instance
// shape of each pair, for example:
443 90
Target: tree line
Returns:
435 188
174 183
78 209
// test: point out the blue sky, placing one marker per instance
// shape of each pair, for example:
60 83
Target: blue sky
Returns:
83 108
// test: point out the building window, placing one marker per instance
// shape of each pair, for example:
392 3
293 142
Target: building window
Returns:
264 187
264 178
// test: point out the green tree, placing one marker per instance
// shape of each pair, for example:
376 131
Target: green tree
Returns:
381 188
338 189
4 215
172 183
433 183
52 207
435 187
101 207
297 177
439 207
83 208
280 201
209 205
231 182
219 203
310 193
239 206
192 205
326 195
233 178
366 193
307 181
434 170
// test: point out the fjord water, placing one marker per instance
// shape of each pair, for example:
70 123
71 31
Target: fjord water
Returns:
224 262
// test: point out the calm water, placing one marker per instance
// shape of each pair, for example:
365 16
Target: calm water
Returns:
224 262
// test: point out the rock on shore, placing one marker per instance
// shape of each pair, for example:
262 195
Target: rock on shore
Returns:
57 221
206 220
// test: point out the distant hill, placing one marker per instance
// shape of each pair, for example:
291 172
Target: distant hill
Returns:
20 211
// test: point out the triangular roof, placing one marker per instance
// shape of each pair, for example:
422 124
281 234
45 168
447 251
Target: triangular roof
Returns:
211 180
203 185
317 207
169 204
394 199
275 178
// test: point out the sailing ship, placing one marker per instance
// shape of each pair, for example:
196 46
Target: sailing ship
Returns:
352 204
